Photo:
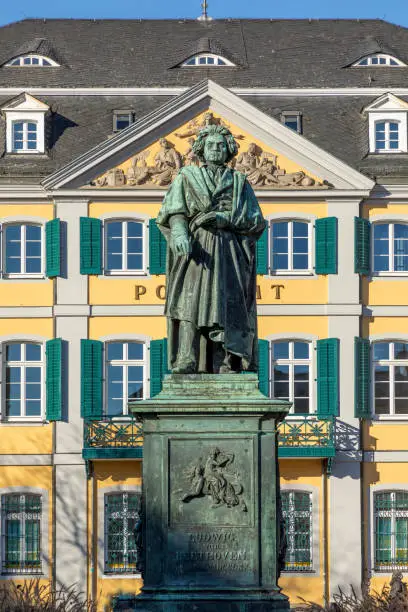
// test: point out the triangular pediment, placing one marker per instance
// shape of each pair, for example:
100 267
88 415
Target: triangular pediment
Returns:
25 102
387 102
149 153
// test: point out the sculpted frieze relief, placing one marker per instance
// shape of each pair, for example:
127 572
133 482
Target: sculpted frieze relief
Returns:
214 478
261 167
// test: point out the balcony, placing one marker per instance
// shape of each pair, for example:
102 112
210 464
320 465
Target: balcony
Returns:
122 438
113 438
307 436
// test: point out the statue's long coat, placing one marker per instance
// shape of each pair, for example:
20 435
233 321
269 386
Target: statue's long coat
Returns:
215 286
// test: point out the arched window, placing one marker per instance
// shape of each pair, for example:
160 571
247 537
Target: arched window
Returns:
290 246
391 530
387 137
379 59
25 136
22 250
121 516
125 375
297 515
207 59
32 60
125 246
21 533
291 373
390 247
390 377
24 376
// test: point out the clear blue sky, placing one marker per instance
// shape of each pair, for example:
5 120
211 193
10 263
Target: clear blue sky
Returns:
391 10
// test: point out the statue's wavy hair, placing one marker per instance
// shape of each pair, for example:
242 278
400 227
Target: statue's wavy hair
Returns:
199 143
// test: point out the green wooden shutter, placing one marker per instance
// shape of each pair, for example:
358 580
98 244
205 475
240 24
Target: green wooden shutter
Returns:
263 366
53 352
327 377
362 378
362 230
326 245
91 245
53 248
91 379
157 249
158 365
262 252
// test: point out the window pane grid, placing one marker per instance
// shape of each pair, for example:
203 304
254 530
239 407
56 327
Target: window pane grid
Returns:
387 136
24 136
24 380
23 249
124 246
291 374
297 515
289 246
391 530
125 364
390 378
21 534
390 247
121 518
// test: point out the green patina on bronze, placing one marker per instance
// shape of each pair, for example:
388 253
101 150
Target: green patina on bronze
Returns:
211 220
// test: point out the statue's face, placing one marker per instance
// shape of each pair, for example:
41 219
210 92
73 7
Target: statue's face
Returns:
215 149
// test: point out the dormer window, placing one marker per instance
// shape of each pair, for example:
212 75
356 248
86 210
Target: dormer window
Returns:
379 59
32 60
207 59
122 119
25 125
387 124
292 120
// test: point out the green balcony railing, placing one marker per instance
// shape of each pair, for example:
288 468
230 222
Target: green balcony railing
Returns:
121 438
113 438
307 436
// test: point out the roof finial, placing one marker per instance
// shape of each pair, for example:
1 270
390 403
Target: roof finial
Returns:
204 15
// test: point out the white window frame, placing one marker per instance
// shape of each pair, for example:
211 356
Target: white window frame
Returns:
399 117
23 364
25 148
145 238
392 491
291 362
298 116
385 56
124 364
392 364
215 56
387 148
106 571
116 113
32 56
390 271
290 271
19 275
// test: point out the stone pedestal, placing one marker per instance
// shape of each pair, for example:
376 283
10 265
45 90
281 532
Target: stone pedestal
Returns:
210 482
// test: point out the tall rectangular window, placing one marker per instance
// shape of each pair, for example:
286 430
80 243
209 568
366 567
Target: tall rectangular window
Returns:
391 530
22 250
21 534
291 374
390 377
25 139
289 246
387 136
297 514
390 247
24 380
121 518
124 246
125 372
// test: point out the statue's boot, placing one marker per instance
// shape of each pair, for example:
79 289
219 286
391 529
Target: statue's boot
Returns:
186 362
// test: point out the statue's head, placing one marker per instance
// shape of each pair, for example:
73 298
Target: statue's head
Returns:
215 144
165 143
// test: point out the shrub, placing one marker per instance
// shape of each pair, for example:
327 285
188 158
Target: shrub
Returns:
34 596
392 598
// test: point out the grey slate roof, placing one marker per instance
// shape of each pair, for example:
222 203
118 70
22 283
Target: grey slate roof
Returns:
268 53
275 53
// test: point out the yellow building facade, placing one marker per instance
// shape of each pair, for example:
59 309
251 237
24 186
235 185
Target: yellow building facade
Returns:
82 331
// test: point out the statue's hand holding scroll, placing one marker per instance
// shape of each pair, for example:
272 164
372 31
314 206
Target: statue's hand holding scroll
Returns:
213 219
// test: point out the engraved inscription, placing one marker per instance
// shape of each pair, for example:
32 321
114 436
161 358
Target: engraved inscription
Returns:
214 551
